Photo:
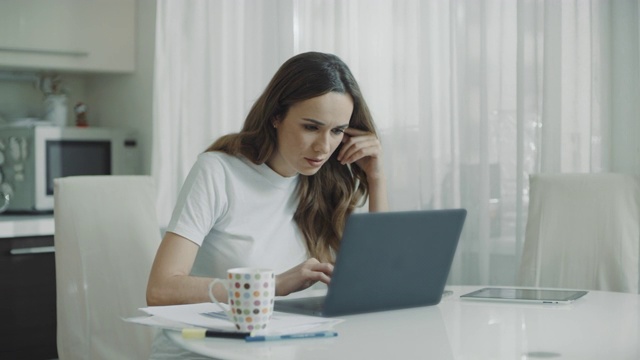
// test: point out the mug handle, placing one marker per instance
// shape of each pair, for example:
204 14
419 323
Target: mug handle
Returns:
7 200
214 300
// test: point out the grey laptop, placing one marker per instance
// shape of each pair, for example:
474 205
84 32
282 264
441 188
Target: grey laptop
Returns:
387 260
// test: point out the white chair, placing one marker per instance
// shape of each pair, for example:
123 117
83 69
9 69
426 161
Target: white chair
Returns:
583 231
106 236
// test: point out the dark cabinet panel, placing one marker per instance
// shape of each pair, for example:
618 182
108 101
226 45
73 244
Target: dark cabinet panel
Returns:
27 300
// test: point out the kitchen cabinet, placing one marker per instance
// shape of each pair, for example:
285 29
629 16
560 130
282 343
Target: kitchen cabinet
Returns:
28 300
68 35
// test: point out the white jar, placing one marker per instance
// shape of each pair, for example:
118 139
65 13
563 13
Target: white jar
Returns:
55 109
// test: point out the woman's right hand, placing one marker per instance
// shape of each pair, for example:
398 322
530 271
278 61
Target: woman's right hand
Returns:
303 276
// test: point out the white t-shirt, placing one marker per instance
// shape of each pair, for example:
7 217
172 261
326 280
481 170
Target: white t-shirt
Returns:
241 215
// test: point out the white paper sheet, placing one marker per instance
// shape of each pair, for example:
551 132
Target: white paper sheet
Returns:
199 315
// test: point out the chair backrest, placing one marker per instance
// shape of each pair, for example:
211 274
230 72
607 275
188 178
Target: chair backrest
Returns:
583 231
106 236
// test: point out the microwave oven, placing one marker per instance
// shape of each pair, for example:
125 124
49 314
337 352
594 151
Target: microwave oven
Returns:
32 156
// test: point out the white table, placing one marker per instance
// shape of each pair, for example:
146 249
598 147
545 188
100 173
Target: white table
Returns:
601 325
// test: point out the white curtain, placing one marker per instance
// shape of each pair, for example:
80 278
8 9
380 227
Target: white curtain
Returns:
469 96
213 59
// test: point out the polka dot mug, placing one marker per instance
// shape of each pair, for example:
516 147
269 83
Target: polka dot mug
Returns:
251 293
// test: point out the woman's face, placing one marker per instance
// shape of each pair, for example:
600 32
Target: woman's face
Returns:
309 133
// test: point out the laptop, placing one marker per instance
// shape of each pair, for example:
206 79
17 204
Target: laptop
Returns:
387 261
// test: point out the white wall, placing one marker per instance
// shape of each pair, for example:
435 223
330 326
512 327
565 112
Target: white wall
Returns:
19 97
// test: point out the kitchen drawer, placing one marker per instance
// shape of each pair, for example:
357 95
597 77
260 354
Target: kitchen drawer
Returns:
28 301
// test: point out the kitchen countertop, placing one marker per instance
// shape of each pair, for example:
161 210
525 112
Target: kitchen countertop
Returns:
26 225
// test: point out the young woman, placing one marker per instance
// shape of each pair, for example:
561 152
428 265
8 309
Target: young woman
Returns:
277 194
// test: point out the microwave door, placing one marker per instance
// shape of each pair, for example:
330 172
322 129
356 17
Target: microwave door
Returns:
64 155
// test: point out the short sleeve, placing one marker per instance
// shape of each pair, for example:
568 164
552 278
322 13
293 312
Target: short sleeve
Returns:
202 199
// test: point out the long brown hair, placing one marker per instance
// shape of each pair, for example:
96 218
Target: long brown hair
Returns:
330 195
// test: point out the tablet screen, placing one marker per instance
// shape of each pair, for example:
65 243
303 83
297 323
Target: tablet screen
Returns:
532 295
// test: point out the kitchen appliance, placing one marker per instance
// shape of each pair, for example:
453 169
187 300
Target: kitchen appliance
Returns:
32 156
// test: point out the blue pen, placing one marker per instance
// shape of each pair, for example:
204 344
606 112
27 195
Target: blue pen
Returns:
309 335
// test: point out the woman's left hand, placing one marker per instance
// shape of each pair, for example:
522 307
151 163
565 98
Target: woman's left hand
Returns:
303 276
364 149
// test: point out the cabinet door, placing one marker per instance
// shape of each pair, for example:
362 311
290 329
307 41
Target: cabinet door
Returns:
73 35
28 300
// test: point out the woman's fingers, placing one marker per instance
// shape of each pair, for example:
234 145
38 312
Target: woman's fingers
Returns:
358 144
303 276
319 272
357 149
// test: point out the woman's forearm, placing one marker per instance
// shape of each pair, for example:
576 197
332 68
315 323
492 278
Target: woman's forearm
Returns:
170 282
182 289
378 200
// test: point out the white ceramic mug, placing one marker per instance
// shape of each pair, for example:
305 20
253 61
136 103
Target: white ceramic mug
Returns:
251 293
